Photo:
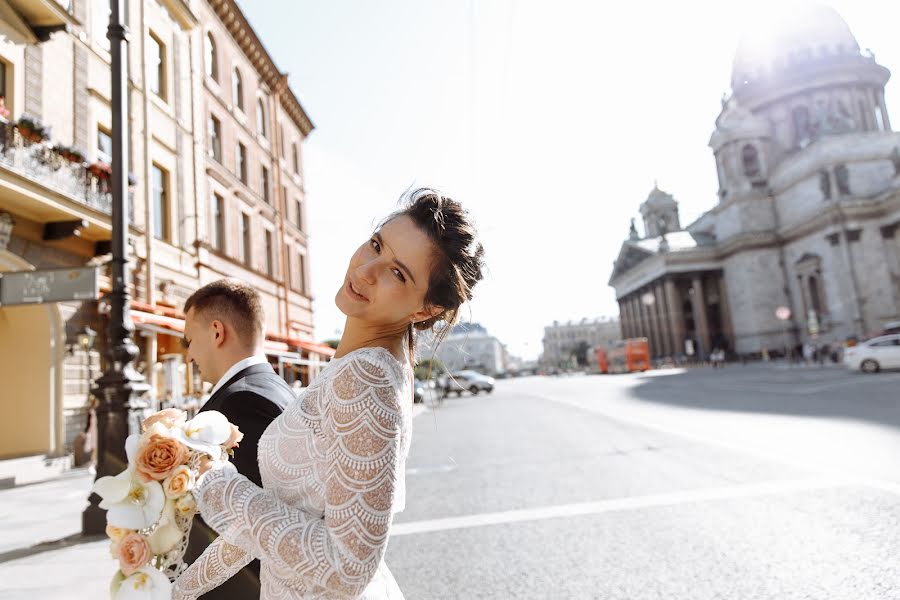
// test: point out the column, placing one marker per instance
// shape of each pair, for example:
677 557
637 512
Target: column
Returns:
623 317
651 324
727 325
663 317
699 306
632 325
676 316
640 326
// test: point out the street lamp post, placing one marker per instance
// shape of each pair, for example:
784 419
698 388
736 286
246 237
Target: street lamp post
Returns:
121 385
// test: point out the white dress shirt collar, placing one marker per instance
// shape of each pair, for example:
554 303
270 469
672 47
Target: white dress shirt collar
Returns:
237 368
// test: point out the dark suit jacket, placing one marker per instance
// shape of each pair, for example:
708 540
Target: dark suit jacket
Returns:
251 399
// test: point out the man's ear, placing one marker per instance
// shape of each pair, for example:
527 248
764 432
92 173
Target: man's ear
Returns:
218 333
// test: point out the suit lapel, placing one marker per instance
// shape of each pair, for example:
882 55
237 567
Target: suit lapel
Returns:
216 399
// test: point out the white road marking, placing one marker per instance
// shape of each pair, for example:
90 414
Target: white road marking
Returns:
617 504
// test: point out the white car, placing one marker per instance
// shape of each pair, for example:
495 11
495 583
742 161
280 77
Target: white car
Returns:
873 355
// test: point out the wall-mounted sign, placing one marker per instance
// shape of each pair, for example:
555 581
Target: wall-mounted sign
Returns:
50 285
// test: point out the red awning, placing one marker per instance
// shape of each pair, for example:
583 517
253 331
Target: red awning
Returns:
172 325
154 322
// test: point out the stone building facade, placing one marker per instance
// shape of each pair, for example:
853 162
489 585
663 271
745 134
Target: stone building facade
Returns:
468 346
194 218
808 210
573 341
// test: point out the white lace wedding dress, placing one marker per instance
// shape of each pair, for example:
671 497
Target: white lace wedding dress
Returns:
332 468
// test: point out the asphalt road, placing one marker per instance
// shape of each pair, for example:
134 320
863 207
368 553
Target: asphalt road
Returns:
755 482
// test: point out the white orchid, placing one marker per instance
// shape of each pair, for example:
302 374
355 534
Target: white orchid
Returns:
167 534
130 504
205 433
146 584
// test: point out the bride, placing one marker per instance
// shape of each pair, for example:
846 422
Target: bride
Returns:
333 463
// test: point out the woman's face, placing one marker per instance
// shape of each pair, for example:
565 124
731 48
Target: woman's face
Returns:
387 279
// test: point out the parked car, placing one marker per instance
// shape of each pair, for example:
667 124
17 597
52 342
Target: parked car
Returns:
873 355
470 380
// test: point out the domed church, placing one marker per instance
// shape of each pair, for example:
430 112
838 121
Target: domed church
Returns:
803 242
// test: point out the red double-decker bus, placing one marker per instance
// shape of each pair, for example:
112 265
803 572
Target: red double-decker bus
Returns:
624 356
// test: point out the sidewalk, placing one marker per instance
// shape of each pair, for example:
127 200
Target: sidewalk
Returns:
42 554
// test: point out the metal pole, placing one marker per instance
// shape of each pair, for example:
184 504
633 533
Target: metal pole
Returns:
121 385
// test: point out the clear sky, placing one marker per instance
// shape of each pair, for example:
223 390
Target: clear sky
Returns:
549 119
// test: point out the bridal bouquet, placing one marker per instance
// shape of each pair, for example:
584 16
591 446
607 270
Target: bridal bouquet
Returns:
149 505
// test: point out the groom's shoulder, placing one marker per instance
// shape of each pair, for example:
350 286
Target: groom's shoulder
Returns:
264 387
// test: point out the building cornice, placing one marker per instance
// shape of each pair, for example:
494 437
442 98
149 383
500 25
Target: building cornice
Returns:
239 29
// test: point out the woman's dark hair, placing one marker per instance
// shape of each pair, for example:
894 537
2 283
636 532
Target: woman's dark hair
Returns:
458 262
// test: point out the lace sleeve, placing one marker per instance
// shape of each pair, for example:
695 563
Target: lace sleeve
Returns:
361 422
218 562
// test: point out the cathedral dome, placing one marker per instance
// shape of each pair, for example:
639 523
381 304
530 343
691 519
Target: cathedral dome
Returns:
800 34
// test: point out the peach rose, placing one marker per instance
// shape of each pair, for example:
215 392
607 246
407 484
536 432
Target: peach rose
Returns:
159 457
233 439
170 417
134 553
117 533
178 483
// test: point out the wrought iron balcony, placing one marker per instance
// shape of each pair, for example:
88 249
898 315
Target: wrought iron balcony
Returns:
24 153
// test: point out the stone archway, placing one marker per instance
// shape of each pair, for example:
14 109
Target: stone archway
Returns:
31 390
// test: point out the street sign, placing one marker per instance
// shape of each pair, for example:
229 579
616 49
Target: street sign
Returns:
51 285
783 313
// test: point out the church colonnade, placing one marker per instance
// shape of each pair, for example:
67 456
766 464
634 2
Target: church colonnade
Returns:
676 308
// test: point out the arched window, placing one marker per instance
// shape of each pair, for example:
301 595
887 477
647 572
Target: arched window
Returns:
261 118
750 157
237 89
801 125
212 58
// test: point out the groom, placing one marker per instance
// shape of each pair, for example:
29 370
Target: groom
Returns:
224 329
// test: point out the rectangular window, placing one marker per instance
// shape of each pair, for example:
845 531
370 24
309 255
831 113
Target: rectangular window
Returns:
6 103
240 162
284 198
217 235
104 146
160 203
301 283
299 215
215 138
292 278
264 184
157 57
296 157
245 239
270 254
101 14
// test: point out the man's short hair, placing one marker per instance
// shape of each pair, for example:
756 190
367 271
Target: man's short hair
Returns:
233 302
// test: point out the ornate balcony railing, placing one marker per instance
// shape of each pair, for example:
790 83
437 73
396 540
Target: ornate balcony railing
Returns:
24 153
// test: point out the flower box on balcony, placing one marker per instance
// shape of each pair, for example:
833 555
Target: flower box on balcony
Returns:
100 170
32 129
72 155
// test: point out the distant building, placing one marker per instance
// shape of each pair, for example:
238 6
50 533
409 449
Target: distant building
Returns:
806 222
570 343
469 346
